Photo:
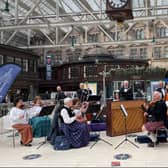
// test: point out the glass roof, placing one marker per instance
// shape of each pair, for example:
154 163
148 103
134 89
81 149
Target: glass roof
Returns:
70 6
75 10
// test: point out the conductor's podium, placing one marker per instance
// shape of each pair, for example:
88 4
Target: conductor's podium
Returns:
115 117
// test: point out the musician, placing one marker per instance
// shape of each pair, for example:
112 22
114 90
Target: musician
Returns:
80 108
40 124
73 126
126 92
156 117
82 93
19 122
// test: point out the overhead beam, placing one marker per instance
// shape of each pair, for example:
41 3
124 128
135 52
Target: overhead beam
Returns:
78 23
100 27
23 20
127 42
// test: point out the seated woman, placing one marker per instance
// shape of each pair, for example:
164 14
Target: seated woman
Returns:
19 122
73 125
40 125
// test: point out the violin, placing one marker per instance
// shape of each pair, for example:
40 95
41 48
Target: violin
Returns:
151 104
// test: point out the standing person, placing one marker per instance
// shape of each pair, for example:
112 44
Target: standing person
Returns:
60 96
19 122
82 93
126 92
156 117
161 89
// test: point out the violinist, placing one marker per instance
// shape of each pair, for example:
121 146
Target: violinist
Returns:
73 126
80 109
156 117
40 124
19 122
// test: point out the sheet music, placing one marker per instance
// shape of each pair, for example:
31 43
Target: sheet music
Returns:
123 110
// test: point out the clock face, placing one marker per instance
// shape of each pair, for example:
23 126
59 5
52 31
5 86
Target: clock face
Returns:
118 3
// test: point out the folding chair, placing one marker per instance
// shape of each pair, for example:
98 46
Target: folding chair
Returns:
7 126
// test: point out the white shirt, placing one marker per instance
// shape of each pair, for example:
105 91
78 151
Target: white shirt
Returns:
34 111
15 113
66 118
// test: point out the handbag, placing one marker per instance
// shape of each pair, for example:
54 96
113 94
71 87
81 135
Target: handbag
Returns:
61 143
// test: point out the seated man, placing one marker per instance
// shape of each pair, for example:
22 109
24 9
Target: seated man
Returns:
73 126
40 125
156 114
19 122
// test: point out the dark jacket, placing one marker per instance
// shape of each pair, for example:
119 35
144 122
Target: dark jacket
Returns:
55 129
158 111
60 96
128 95
82 94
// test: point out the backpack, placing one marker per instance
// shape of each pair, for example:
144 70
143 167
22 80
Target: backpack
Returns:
162 135
142 139
61 143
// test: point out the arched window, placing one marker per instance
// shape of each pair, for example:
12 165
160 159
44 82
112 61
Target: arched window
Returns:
162 32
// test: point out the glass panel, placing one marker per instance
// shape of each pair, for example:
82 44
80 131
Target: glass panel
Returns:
1 59
133 53
166 52
35 66
157 52
93 38
143 53
10 59
75 71
18 61
25 65
139 89
91 71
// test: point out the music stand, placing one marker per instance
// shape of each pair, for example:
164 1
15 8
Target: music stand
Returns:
94 98
45 111
93 109
122 108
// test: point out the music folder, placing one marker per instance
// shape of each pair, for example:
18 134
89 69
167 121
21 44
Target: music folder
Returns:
94 98
46 110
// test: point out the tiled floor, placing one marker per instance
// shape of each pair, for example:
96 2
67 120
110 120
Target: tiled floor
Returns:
101 155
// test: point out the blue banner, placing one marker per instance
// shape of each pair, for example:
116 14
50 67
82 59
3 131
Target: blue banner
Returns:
8 74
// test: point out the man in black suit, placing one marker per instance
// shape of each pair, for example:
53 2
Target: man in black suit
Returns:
126 92
60 96
82 93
